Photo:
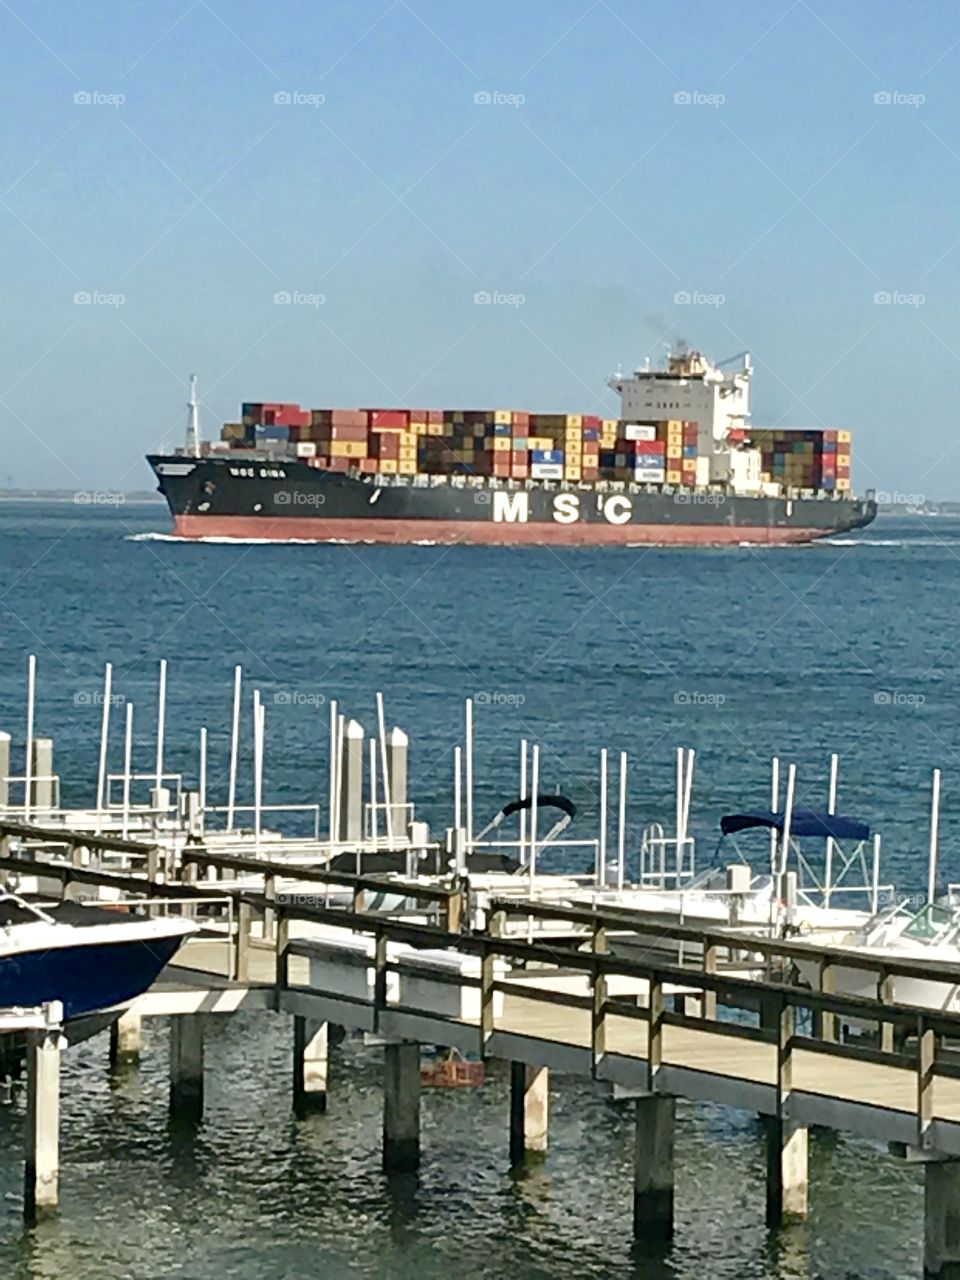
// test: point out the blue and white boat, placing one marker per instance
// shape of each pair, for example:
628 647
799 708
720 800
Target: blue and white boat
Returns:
94 962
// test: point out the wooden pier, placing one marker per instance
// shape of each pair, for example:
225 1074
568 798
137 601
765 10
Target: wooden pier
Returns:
655 1029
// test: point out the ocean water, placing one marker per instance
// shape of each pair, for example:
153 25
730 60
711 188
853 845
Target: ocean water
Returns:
741 654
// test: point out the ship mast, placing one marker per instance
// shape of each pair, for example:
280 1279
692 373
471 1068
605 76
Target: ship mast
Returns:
193 419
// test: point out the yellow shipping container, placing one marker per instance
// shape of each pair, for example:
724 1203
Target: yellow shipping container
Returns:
499 444
348 448
674 477
407 468
539 442
407 455
574 419
843 459
434 429
388 467
674 450
419 428
844 437
843 484
503 417
571 472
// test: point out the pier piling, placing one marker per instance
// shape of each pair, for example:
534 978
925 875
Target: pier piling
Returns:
529 1111
4 770
126 1039
941 1255
41 1190
653 1168
310 1065
401 1107
351 783
41 771
398 750
186 1066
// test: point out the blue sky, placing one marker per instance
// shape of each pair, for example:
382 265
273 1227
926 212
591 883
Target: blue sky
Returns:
782 194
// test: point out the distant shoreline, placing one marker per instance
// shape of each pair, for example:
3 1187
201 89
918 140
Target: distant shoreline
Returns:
69 497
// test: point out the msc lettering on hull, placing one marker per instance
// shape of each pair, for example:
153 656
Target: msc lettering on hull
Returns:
514 508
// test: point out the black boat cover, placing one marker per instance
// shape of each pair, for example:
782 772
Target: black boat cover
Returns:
803 822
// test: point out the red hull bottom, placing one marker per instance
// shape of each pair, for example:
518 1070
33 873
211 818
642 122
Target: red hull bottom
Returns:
486 533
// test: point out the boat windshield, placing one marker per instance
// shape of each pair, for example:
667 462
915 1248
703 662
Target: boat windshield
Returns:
930 923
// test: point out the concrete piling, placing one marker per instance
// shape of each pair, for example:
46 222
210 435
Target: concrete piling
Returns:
4 770
401 1107
310 1065
787 1171
42 789
186 1066
351 783
941 1202
126 1038
41 1190
529 1111
653 1193
398 750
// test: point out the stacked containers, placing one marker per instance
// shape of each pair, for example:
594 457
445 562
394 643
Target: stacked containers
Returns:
809 459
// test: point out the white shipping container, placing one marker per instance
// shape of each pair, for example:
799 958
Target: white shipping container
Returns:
546 470
637 431
650 475
306 449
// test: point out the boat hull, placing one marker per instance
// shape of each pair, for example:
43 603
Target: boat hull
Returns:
86 978
283 501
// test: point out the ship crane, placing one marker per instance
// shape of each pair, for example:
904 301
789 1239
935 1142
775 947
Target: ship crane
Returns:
193 420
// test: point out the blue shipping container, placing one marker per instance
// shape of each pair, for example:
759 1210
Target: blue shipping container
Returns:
689 450
591 433
501 429
546 455
273 433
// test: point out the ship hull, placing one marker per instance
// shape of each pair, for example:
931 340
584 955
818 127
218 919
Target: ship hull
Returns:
290 501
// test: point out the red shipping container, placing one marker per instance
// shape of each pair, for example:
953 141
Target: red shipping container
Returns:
590 473
501 464
385 445
344 433
520 457
435 415
389 419
520 471
339 417
591 420
368 466
519 418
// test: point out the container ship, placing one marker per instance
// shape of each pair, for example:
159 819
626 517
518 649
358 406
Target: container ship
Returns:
681 466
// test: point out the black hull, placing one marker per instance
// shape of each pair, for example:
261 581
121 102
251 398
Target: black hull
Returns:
216 497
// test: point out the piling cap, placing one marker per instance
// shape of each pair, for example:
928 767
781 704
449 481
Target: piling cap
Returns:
397 738
353 729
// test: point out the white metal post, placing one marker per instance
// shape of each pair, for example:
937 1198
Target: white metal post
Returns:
602 843
934 837
31 710
469 772
257 765
234 746
382 726
161 720
831 809
203 769
457 788
104 740
374 826
687 793
334 778
875 891
523 795
774 808
534 795
622 823
127 764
